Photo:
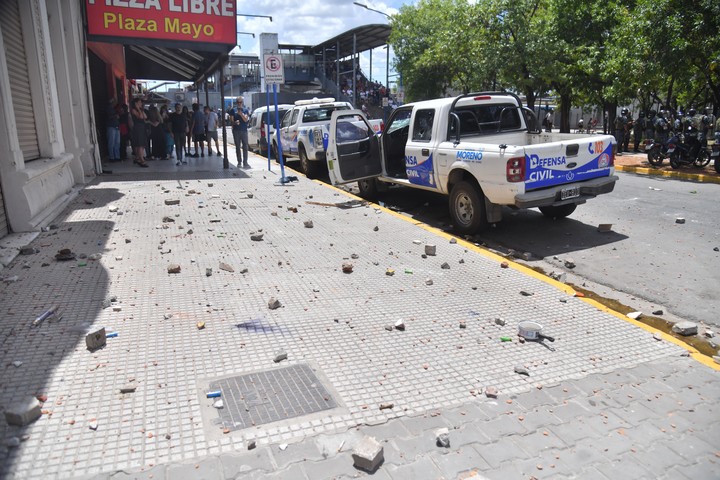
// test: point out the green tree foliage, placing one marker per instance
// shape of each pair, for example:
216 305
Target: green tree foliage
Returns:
586 52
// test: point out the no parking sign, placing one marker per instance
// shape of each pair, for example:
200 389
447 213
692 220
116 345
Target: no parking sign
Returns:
274 72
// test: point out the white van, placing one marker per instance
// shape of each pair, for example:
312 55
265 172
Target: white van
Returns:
257 134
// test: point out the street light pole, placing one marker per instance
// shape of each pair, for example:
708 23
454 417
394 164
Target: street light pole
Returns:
371 9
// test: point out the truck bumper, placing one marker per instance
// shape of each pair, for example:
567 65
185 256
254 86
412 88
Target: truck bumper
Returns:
551 196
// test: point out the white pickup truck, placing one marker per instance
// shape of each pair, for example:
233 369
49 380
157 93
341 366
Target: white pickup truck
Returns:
304 132
483 150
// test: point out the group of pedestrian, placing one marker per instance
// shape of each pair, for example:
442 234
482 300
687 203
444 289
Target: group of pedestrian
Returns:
156 133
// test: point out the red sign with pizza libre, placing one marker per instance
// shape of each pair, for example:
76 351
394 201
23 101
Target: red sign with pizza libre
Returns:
204 21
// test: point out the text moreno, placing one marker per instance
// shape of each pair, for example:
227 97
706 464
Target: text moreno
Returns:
223 8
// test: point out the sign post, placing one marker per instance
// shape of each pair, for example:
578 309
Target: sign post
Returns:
275 74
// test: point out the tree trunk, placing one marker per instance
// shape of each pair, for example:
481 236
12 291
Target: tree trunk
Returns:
565 112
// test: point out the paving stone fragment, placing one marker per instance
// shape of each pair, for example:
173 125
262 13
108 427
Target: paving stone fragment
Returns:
521 370
274 303
23 412
347 267
256 237
500 321
429 281
445 266
680 220
368 454
129 388
442 437
685 328
175 201
96 339
173 268
280 356
634 315
569 263
491 392
308 224
430 249
225 267
400 325
387 406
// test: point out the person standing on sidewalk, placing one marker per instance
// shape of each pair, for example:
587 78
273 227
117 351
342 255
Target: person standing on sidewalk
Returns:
113 131
197 127
211 121
179 128
240 116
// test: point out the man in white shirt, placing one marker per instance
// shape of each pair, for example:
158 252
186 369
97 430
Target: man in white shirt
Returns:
211 120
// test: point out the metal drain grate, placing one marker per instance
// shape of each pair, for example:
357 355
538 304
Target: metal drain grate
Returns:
269 396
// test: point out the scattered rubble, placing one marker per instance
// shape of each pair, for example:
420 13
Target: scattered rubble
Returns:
445 266
491 392
308 224
225 267
23 412
368 454
274 303
680 220
685 328
521 370
96 339
256 236
569 263
430 249
634 315
442 437
400 325
173 268
175 201
604 227
347 267
387 406
280 356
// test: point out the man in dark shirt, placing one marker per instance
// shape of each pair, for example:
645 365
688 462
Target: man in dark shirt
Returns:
179 127
198 130
240 117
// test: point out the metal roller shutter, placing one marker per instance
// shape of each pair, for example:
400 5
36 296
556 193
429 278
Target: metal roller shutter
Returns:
3 218
19 78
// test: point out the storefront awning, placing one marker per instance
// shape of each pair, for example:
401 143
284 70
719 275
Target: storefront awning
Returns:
174 64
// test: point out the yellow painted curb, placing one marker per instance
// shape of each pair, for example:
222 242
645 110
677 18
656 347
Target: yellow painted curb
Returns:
694 353
697 177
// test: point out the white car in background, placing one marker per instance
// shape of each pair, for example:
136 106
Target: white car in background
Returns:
257 129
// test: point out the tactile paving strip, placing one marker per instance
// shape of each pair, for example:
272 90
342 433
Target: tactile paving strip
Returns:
272 395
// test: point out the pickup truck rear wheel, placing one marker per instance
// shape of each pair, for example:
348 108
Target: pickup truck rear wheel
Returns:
467 208
275 152
310 169
561 211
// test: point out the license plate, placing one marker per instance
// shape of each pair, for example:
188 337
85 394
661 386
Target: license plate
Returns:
671 150
571 192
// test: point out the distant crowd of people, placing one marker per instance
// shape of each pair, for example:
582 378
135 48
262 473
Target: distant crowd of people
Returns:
158 133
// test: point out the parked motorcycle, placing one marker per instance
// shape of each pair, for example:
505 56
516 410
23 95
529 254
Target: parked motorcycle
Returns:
687 150
656 152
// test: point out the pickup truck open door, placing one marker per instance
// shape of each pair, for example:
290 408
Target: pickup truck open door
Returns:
353 151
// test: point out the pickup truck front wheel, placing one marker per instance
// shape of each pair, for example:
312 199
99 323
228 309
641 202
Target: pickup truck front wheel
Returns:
368 188
467 208
310 169
558 212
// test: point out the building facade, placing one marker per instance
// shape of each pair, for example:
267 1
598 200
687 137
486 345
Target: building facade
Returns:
48 146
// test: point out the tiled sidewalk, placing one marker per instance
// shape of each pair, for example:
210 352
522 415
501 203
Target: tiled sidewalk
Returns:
610 398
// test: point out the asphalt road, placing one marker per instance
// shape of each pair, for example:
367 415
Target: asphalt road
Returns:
648 261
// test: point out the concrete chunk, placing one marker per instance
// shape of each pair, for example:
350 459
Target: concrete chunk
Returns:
685 328
368 454
23 412
96 339
442 437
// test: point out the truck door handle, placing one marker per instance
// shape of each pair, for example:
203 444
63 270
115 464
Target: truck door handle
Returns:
425 151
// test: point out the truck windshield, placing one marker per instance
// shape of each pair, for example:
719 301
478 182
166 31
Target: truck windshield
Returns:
484 119
321 114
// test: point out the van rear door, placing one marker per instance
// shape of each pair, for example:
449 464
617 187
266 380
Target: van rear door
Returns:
353 151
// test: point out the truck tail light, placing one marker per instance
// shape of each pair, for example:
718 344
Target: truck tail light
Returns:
515 171
612 158
262 129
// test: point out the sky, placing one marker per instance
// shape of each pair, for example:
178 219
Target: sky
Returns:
310 22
